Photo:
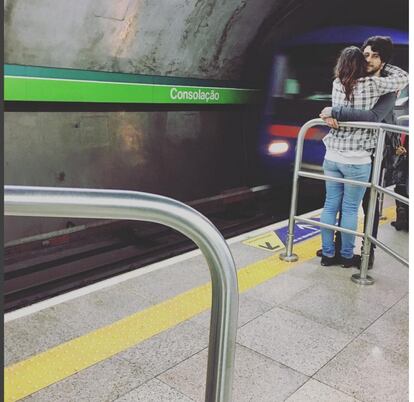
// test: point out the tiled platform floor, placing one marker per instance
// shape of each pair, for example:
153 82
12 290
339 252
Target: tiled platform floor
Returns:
309 334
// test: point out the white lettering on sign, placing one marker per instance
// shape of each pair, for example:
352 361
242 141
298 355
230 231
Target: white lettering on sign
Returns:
199 94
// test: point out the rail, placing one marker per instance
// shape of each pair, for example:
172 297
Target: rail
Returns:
361 278
108 204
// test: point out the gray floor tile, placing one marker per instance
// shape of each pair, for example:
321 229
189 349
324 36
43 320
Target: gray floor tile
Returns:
172 280
399 239
99 309
168 348
389 331
312 270
387 266
403 304
154 391
279 288
337 309
28 336
249 309
256 378
384 263
387 289
202 319
293 340
105 381
315 391
368 372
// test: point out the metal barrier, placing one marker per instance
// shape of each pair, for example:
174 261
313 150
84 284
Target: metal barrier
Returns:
361 278
108 204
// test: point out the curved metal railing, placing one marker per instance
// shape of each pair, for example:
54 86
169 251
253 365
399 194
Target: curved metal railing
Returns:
361 278
402 118
108 204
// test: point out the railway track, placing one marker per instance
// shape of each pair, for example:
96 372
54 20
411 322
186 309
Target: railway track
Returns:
47 267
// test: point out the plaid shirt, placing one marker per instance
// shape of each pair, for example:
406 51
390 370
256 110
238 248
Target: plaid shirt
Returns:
365 95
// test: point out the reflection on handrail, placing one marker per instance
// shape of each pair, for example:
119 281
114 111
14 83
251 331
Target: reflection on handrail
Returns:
108 204
402 118
361 278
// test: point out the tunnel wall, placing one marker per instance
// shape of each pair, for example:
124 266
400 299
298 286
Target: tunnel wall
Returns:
186 154
182 154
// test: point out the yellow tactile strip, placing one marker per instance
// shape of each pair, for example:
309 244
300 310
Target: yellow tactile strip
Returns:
60 362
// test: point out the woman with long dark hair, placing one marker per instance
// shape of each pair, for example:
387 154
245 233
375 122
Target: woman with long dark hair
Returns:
348 150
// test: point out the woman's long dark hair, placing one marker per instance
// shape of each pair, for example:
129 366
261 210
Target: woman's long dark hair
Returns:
350 66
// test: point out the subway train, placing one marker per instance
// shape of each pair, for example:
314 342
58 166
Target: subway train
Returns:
300 87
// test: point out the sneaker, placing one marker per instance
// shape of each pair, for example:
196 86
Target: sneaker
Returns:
354 261
328 261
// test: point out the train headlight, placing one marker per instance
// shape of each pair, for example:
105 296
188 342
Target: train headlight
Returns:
278 147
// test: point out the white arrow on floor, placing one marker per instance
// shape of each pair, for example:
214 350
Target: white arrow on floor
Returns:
307 227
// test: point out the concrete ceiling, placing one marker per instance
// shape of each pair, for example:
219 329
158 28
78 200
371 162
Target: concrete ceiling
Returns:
214 39
198 38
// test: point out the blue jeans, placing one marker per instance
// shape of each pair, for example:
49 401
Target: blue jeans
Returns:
345 198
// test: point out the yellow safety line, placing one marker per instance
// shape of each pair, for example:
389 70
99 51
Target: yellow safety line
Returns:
53 365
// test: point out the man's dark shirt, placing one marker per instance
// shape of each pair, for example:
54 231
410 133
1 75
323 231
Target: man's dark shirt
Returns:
382 111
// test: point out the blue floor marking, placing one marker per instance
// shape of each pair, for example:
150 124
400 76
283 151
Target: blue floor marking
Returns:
302 231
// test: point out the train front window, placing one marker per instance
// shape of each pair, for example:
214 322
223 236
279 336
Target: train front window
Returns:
305 72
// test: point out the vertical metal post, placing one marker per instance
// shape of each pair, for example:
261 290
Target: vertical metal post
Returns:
381 196
288 255
363 278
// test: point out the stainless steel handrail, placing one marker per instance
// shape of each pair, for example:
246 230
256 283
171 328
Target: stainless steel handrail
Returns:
402 118
362 277
108 204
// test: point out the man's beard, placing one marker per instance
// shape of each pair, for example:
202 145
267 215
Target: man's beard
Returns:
373 71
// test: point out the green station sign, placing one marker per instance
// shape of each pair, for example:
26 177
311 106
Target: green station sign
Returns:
41 84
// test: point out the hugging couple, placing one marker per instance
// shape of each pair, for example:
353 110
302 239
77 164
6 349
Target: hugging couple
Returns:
365 89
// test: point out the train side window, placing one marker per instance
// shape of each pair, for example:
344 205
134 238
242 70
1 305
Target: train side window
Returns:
292 86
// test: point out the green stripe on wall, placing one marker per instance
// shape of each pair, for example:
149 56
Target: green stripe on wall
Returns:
54 90
39 84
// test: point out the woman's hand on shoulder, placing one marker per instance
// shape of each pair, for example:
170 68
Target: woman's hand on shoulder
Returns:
326 112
